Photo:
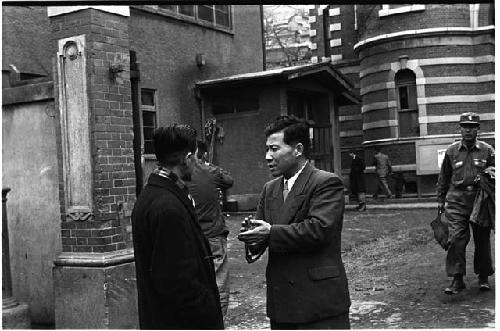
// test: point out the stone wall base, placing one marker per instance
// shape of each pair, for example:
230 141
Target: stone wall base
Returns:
95 297
15 316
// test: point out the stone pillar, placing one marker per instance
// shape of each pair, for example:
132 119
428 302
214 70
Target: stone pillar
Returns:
14 313
94 276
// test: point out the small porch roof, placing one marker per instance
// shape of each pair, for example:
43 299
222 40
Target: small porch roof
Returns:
323 72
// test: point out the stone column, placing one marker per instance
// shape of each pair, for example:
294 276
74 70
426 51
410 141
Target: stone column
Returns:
14 313
94 276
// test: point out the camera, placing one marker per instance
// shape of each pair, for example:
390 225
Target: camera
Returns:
247 224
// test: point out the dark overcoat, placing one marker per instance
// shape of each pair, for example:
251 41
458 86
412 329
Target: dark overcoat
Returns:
357 175
306 280
175 273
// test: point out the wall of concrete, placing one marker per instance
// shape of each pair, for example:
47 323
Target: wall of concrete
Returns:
30 169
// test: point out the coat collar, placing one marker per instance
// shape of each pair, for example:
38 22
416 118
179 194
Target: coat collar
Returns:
168 184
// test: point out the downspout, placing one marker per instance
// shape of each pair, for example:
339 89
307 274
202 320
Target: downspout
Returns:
263 37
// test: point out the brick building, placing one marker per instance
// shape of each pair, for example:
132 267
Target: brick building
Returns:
94 82
416 67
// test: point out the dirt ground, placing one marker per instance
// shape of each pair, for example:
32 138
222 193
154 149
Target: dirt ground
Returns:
395 271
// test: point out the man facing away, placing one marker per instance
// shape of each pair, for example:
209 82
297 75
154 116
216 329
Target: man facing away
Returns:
357 180
206 181
463 162
175 274
299 217
383 168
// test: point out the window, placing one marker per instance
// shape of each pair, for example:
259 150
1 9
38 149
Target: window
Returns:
212 15
406 91
149 122
229 104
394 9
187 10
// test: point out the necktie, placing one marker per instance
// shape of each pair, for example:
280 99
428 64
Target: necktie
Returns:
285 190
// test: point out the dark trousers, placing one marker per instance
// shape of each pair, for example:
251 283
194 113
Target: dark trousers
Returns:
458 210
339 322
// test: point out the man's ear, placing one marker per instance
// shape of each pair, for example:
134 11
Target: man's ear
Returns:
299 149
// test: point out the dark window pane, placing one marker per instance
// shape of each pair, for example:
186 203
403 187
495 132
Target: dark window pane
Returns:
147 97
222 15
148 147
167 7
186 10
403 97
408 124
149 119
206 13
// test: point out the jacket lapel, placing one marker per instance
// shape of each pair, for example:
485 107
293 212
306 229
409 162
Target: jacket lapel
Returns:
295 196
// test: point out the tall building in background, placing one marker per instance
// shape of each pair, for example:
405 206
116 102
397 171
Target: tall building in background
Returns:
416 67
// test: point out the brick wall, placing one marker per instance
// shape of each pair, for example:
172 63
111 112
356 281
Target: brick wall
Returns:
111 132
453 15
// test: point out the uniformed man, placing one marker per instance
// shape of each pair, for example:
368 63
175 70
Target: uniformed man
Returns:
463 161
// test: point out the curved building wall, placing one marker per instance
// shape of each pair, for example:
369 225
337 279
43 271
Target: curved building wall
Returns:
450 50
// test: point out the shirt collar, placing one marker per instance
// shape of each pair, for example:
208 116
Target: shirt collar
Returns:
476 145
167 173
292 179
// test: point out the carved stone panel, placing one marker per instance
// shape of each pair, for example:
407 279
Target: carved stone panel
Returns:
75 128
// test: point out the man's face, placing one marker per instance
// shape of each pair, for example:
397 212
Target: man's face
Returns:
469 132
281 158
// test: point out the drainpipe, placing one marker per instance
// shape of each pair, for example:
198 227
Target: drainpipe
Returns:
261 7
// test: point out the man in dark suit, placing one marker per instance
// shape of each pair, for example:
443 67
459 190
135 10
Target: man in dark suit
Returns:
299 217
175 273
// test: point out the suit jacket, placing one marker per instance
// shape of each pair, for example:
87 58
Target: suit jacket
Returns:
306 280
175 273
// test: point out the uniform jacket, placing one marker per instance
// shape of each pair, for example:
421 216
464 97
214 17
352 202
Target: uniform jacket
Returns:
382 164
175 274
205 182
306 280
461 167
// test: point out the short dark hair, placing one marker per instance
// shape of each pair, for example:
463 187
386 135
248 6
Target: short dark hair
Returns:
295 130
202 148
377 149
172 142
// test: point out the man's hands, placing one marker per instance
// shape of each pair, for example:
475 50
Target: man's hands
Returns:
257 236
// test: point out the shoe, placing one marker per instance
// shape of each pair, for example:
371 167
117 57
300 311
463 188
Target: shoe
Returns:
456 285
361 207
483 283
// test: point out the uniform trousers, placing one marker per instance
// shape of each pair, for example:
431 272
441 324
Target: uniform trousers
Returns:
218 245
383 186
459 204
339 322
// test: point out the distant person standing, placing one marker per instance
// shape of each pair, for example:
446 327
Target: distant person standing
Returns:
383 169
463 162
176 284
357 180
206 182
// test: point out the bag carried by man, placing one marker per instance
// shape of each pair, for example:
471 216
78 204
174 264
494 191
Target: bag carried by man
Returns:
440 229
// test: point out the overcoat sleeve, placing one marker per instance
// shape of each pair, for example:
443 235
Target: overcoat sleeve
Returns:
175 267
324 217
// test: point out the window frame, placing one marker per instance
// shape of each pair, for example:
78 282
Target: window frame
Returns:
194 19
387 10
150 109
411 90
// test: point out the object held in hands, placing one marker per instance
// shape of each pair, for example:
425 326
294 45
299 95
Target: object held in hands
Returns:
250 254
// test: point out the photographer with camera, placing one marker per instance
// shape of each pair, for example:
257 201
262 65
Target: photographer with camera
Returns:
299 218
